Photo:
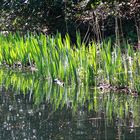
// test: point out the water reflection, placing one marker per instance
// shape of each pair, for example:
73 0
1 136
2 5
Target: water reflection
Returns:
32 109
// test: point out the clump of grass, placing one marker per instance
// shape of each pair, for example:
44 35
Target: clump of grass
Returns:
55 57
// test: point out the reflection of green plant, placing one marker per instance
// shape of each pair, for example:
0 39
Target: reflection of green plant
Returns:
76 97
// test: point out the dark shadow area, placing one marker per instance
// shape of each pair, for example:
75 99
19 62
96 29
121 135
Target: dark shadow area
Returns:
96 20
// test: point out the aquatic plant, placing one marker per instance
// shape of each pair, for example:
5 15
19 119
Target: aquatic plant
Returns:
89 64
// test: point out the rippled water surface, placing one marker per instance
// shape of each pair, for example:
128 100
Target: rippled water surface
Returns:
32 109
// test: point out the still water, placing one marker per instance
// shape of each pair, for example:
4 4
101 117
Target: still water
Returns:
32 109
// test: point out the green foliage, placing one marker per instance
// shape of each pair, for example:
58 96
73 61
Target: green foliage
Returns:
48 16
29 14
54 57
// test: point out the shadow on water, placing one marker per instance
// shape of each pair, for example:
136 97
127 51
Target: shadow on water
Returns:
34 109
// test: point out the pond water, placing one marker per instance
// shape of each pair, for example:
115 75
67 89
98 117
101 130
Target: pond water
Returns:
34 109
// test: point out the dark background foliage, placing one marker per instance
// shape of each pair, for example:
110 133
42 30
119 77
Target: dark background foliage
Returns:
95 19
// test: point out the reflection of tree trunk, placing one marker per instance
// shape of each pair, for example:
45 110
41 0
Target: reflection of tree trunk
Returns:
131 122
118 136
81 122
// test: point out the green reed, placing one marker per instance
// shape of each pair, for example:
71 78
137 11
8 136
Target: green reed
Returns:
56 57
